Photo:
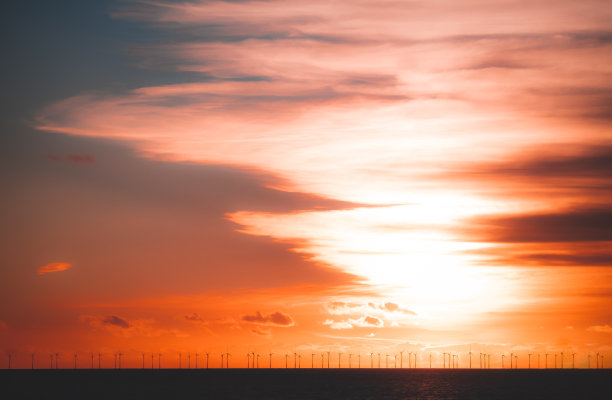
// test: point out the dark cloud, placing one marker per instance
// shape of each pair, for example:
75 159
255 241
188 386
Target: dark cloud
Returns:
116 321
581 225
194 317
276 318
73 158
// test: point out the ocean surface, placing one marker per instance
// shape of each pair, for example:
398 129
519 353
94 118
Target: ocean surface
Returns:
306 384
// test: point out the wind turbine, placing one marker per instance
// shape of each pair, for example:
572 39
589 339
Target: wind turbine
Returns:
294 360
51 356
322 357
328 353
371 360
516 361
401 359
180 359
227 356
415 360
120 354
75 360
339 359
248 360
196 359
529 355
57 357
286 362
378 360
503 355
299 360
511 359
152 358
159 361
359 360
33 361
546 361
189 360
471 359
350 357
10 355
312 360
206 360
115 360
573 359
222 357
143 360
538 360
555 360
589 359
443 360
597 359
257 360
270 360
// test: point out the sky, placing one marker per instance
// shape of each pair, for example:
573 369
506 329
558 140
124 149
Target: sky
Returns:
305 176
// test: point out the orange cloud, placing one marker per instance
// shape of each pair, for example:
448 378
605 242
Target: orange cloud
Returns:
600 328
54 267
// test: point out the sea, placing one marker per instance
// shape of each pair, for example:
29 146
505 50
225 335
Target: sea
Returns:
299 384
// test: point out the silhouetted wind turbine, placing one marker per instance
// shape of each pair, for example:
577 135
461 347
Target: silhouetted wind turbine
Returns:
57 358
430 360
222 357
589 360
596 359
339 359
10 356
359 360
312 360
180 360
573 359
378 360
227 356
555 360
286 360
257 360
189 360
120 354
529 363
294 360
51 356
206 360
503 356
328 353
322 357
115 360
143 360
470 353
92 357
270 354
350 360
511 359
371 360
159 361
248 360
152 359
75 360
196 359
546 361
538 360
401 359
299 360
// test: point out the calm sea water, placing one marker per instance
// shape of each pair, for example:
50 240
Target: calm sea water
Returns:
306 384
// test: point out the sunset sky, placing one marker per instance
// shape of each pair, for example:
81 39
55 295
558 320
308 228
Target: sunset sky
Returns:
305 176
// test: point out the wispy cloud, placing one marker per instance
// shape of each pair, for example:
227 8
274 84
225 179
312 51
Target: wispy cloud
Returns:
54 267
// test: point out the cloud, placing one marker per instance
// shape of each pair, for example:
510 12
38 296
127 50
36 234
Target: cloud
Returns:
391 307
74 158
572 225
116 321
275 319
54 267
194 317
600 328
366 321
